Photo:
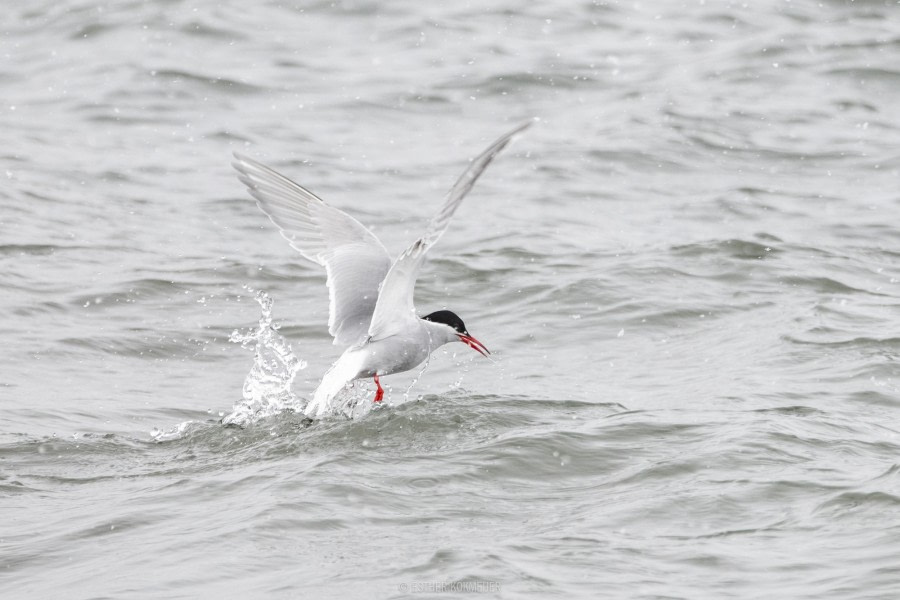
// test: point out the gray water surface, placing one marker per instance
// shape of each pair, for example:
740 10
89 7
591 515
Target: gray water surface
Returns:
687 271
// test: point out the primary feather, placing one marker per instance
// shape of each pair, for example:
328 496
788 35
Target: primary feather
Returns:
395 308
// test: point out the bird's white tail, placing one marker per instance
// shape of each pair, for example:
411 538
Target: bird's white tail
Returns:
336 379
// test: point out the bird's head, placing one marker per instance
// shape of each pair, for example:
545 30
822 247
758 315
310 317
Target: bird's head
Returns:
451 320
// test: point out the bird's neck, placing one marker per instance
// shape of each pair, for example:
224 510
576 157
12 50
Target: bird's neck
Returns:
438 333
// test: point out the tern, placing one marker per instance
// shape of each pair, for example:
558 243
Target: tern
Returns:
371 310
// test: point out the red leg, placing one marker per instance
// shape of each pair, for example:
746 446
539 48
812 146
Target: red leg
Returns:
380 393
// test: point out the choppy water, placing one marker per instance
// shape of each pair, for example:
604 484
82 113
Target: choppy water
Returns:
688 272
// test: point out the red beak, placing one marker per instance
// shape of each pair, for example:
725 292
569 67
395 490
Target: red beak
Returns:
474 344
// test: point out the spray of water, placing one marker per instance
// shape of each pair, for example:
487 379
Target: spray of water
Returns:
355 401
267 387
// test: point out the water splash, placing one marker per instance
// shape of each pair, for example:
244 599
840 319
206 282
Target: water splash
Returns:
267 387
417 377
354 401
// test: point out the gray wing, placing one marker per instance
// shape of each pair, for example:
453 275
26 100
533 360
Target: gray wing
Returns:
395 308
355 260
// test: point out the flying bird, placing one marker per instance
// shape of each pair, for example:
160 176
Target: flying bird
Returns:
371 310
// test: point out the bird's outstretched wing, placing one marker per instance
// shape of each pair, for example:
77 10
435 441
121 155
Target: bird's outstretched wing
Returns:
355 261
395 309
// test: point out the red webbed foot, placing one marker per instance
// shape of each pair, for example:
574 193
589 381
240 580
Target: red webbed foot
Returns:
379 395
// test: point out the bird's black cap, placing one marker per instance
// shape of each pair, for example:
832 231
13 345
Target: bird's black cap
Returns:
448 318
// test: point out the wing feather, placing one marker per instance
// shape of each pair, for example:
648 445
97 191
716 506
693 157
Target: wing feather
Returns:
355 261
395 308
